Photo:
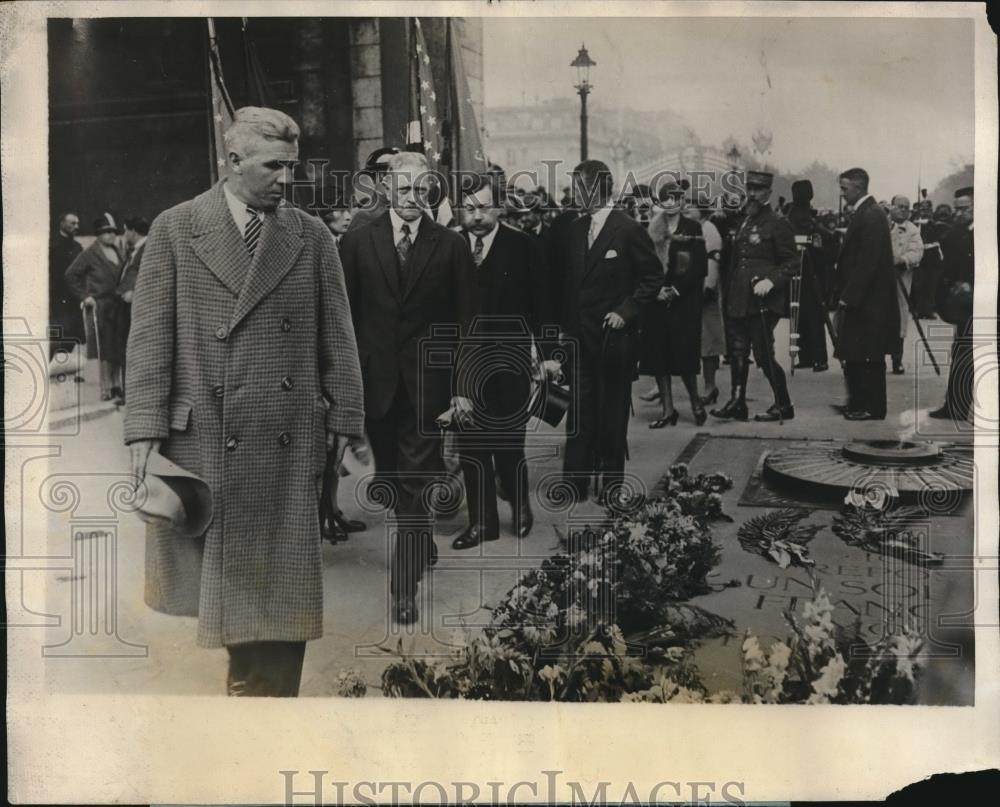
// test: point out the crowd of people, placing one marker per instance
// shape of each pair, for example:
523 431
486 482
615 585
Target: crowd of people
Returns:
263 341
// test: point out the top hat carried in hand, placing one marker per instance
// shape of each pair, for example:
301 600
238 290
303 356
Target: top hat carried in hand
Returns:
176 496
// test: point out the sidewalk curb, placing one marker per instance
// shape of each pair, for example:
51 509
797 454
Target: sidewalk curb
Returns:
60 419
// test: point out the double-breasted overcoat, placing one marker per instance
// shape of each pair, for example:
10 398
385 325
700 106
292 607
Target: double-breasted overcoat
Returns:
241 366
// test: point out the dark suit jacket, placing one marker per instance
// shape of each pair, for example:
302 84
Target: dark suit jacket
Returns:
869 323
512 306
555 241
390 321
619 273
131 271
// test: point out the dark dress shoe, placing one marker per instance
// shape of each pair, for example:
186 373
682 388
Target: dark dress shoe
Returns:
821 367
331 531
946 413
470 537
348 524
897 369
862 415
404 610
700 415
733 410
775 413
524 521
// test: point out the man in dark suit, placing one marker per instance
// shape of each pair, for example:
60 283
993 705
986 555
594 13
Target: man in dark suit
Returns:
406 274
612 272
764 260
868 311
511 308
957 283
64 309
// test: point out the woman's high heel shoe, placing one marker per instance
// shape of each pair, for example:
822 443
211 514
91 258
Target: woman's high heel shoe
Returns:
700 415
708 400
669 420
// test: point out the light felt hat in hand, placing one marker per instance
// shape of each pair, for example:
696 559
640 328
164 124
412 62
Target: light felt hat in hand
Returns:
177 496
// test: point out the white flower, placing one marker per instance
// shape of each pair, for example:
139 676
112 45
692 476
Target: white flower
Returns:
753 656
828 683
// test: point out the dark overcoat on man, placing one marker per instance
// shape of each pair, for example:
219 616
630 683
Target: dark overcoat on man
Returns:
869 321
619 273
93 274
512 309
242 366
64 307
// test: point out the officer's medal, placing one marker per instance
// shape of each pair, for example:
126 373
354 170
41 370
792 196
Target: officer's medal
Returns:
754 236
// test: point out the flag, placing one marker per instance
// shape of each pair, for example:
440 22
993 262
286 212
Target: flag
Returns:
466 147
256 80
425 123
222 104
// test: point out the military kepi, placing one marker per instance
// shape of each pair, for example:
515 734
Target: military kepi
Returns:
759 179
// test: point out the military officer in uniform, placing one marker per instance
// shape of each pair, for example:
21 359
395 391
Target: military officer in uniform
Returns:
764 261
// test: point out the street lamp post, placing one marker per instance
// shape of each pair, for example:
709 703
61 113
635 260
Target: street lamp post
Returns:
583 63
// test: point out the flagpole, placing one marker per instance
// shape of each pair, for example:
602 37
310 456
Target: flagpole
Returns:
213 168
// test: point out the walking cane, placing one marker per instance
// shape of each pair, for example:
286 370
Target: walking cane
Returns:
916 321
97 342
768 345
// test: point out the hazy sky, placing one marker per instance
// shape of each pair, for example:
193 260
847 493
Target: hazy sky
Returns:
893 96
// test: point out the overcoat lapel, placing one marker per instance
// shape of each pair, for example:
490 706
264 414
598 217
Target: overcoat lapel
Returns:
422 250
385 248
217 242
279 247
852 225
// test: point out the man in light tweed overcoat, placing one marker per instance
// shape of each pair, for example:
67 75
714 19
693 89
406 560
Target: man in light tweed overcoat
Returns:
243 369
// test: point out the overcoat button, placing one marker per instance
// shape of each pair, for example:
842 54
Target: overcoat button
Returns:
284 438
286 324
286 383
218 390
221 332
232 443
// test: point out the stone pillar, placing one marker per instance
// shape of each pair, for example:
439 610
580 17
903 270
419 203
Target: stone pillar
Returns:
366 87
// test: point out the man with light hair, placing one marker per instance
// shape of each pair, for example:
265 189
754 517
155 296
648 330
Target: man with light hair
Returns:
907 252
408 277
243 369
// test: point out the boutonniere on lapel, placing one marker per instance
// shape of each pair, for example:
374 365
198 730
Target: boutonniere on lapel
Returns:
610 254
754 236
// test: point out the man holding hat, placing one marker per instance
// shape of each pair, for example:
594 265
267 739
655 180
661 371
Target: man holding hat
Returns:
763 263
243 370
955 306
93 277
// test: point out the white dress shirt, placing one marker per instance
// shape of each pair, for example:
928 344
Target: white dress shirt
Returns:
238 209
487 240
397 227
597 219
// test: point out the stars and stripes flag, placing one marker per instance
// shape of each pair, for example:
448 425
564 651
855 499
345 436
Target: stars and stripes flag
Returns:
222 105
425 122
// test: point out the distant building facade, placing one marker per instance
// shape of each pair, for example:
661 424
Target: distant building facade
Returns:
532 137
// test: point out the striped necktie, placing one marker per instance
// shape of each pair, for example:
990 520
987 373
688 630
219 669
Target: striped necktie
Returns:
252 233
477 253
